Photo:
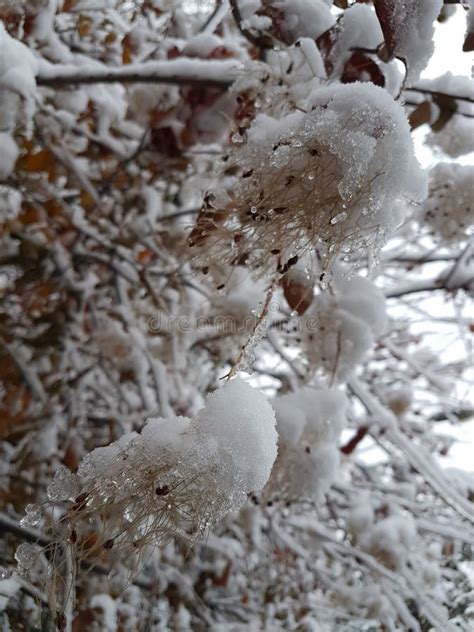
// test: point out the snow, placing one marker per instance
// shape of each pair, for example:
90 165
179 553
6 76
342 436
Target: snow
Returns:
291 421
312 56
18 67
145 99
361 515
202 45
358 28
234 314
391 540
220 456
339 172
412 23
108 611
242 423
456 138
114 343
303 18
449 209
309 423
8 155
27 555
373 129
342 325
8 589
179 475
363 299
208 71
64 485
456 85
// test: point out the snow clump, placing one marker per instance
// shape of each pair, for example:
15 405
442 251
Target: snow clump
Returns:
302 18
342 325
179 475
336 177
456 138
309 424
18 68
449 209
409 32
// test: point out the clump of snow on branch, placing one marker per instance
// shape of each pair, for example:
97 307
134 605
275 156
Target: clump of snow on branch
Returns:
456 85
342 325
302 18
449 209
391 540
236 432
10 152
337 177
179 475
409 28
309 424
456 138
18 67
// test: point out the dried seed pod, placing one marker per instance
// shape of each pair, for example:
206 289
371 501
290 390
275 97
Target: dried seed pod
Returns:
335 178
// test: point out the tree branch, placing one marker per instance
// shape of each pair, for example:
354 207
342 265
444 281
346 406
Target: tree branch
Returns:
436 93
260 41
463 283
181 71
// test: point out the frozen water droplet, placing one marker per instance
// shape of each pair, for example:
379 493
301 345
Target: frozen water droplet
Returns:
26 555
64 486
32 516
340 217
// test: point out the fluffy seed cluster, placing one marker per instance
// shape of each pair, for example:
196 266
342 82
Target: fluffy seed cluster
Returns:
335 177
342 325
449 209
179 475
309 424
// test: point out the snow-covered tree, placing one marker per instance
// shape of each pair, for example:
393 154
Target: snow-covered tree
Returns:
236 316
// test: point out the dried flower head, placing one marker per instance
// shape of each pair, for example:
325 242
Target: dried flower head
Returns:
333 178
178 476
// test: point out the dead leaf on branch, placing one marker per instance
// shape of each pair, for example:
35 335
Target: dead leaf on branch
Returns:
360 66
420 115
448 107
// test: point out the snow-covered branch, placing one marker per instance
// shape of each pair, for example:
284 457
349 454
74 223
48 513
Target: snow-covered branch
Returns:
198 72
